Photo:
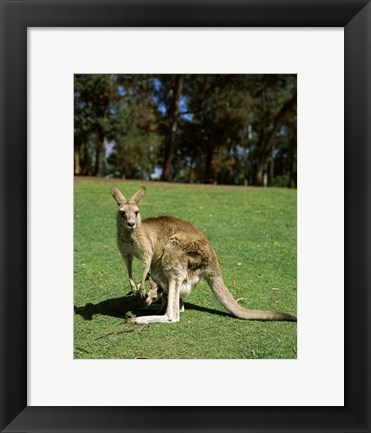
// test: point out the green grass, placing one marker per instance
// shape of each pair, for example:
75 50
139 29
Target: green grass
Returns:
253 232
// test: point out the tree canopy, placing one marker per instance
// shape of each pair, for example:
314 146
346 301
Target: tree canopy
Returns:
222 128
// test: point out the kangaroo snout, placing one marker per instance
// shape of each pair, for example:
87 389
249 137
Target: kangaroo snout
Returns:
131 225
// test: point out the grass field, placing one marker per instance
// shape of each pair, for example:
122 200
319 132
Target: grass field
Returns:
253 231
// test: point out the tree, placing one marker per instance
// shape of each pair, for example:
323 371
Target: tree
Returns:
93 98
267 136
217 104
168 94
137 140
215 128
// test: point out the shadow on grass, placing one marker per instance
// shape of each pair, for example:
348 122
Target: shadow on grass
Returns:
189 306
121 307
115 307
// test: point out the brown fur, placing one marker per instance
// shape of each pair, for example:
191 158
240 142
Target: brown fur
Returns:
178 256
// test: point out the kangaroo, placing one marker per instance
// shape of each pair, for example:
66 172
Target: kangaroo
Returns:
156 292
177 255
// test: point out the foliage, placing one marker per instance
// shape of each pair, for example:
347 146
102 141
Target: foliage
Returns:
93 115
254 234
226 129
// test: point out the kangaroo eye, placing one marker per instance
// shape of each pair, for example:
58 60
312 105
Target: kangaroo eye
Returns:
122 214
136 212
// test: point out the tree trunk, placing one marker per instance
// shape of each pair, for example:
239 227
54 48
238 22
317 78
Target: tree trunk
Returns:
209 159
99 153
173 122
266 140
259 173
77 162
271 168
292 160
85 162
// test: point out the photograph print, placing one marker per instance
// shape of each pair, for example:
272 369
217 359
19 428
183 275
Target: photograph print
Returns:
185 216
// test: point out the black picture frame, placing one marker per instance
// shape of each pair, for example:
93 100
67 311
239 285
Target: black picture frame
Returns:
16 17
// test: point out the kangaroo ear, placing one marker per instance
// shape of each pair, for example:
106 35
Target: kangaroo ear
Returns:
117 195
137 197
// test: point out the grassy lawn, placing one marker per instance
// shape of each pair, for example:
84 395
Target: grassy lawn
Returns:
253 232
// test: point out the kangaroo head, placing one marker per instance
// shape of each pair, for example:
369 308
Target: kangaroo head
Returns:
128 211
154 295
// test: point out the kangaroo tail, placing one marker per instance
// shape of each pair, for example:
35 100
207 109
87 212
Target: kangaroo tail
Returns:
223 295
